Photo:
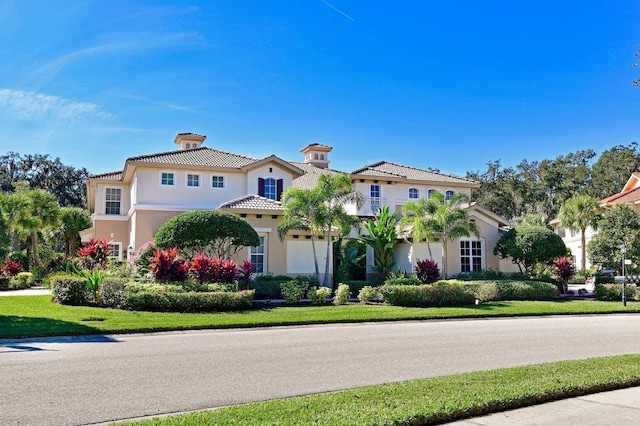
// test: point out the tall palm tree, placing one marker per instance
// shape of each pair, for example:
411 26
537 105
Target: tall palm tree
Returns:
16 215
441 221
414 216
44 210
577 214
72 221
336 191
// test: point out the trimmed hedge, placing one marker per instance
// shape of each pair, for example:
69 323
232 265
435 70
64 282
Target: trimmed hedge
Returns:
456 293
112 292
613 292
189 302
403 281
69 290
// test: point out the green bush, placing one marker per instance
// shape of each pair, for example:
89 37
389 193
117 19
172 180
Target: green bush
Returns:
481 274
16 283
189 302
5 283
267 289
112 292
441 293
292 291
69 290
368 293
269 278
318 296
39 272
525 290
485 290
342 295
403 281
605 279
613 292
356 285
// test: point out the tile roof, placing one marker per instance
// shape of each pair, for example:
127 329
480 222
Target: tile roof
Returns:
309 179
623 197
387 169
108 176
196 157
252 202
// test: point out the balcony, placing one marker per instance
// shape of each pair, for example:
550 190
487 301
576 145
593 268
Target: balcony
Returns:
372 205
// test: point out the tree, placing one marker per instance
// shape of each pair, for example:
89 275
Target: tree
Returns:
576 214
618 226
14 210
439 220
530 245
382 238
612 170
335 191
214 232
72 221
44 213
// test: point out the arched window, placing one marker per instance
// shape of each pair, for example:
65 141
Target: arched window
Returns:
414 194
448 195
430 192
315 156
188 145
270 188
322 156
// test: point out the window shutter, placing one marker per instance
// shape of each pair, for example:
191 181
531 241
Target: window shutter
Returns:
261 187
279 185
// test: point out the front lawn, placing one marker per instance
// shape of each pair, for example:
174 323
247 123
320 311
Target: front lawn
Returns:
35 316
430 401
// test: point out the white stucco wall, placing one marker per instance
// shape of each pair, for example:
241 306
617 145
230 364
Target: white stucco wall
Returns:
269 170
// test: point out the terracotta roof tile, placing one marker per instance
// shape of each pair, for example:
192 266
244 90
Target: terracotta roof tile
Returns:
309 179
196 157
252 202
108 176
623 197
385 168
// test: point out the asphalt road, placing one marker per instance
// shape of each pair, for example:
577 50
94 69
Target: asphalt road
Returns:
64 381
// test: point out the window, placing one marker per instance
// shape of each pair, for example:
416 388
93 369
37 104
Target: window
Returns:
217 181
448 195
193 181
167 179
115 251
270 188
374 194
470 256
112 199
414 194
430 192
257 256
188 146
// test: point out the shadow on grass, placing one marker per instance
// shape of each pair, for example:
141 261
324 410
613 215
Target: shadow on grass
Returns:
12 327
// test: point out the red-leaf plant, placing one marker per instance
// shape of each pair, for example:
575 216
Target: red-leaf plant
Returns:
10 268
167 266
427 271
94 253
245 273
201 268
564 269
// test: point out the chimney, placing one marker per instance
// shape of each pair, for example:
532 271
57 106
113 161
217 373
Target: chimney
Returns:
189 140
317 154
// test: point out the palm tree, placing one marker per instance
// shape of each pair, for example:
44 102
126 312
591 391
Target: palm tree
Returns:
576 214
441 221
414 216
15 213
44 210
336 191
72 221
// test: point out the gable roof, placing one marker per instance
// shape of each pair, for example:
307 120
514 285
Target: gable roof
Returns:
385 169
276 160
108 176
309 179
196 157
252 202
630 196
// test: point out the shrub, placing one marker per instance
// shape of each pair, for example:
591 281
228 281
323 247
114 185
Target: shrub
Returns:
10 268
368 293
267 289
16 283
403 281
269 278
246 272
565 270
427 271
292 291
481 274
356 285
27 277
201 268
69 290
485 290
112 292
342 295
94 253
143 256
613 292
441 293
189 302
318 296
5 283
166 266
39 272
605 279
525 290
93 280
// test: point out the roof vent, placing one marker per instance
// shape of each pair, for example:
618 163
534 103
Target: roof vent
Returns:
189 140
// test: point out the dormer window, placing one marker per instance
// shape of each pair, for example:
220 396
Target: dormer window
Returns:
414 194
270 188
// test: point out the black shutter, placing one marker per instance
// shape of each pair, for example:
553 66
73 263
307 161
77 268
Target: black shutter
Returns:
279 185
261 187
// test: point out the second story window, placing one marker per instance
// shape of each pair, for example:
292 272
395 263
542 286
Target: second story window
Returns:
193 181
113 197
217 182
374 194
448 195
430 192
270 188
414 194
167 179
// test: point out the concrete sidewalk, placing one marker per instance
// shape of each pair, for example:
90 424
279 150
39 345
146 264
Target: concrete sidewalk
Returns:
620 407
31 291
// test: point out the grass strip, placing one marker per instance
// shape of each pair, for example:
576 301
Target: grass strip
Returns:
429 401
37 316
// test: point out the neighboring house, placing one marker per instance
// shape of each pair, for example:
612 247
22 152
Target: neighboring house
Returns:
129 206
573 241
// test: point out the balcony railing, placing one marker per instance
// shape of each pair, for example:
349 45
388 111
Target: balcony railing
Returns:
372 205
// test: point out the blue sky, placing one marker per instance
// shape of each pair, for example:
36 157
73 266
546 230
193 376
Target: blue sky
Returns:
447 84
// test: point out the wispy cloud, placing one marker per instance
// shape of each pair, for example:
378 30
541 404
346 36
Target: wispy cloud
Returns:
337 10
38 106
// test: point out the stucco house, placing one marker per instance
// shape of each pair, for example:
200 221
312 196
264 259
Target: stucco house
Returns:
130 205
